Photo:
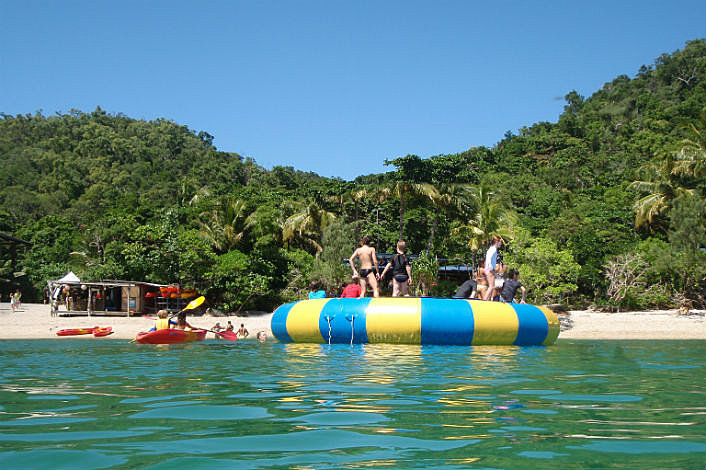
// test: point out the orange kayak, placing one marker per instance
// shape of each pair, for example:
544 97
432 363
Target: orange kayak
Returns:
76 331
170 336
104 331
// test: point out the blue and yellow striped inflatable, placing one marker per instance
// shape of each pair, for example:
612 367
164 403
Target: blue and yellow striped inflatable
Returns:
414 320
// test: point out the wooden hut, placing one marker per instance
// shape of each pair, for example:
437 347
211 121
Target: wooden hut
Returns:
72 296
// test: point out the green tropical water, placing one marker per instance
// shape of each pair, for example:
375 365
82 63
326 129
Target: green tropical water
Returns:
87 404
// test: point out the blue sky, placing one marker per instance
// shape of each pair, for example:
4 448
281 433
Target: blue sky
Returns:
334 87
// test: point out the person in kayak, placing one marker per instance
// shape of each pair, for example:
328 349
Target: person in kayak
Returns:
182 324
163 321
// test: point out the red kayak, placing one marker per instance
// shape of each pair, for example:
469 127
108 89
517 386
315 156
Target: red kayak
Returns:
76 331
170 336
104 331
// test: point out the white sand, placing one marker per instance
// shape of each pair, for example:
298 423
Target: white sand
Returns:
34 321
659 324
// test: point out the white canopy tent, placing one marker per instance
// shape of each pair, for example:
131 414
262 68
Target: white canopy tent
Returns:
69 278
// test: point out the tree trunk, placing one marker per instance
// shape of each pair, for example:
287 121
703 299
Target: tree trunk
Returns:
401 214
433 230
357 225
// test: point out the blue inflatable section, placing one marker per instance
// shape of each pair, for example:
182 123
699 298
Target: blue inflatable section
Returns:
436 318
279 323
343 325
533 325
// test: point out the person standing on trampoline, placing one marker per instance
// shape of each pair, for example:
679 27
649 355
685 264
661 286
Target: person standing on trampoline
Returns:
369 272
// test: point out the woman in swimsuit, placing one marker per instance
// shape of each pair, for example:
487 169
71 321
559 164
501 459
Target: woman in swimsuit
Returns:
482 282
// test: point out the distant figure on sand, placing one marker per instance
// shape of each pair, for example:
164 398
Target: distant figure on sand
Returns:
15 300
369 273
401 271
243 332
353 289
491 260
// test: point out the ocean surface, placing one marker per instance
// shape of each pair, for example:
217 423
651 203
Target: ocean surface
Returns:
95 404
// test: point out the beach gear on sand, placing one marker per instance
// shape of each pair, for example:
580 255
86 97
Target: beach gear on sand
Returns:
96 331
414 320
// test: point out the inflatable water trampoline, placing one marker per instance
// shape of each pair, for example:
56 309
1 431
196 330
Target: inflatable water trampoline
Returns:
414 320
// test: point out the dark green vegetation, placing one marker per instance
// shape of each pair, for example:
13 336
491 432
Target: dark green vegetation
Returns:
606 205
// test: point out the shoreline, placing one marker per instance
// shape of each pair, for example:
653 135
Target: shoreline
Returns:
33 321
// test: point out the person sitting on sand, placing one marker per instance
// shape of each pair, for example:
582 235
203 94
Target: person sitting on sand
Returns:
182 324
353 289
243 332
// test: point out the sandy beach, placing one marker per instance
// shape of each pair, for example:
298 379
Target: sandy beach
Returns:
33 321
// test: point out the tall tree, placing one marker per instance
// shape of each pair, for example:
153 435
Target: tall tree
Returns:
448 196
402 190
660 187
306 226
224 225
492 217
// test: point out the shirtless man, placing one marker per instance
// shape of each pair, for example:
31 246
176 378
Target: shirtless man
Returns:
368 266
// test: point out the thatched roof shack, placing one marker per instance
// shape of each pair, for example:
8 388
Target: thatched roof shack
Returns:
72 296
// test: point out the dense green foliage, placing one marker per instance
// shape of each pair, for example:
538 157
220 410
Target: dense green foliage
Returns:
619 178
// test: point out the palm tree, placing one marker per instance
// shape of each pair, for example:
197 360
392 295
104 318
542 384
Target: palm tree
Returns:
307 226
691 159
449 196
661 187
224 225
492 218
401 190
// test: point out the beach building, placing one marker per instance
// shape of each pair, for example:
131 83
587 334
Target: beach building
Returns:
71 296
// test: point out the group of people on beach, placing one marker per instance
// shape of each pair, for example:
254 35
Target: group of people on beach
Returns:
492 280
15 303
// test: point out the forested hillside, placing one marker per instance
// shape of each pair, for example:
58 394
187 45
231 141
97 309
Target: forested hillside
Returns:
606 205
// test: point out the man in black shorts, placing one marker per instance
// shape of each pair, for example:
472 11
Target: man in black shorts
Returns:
511 285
